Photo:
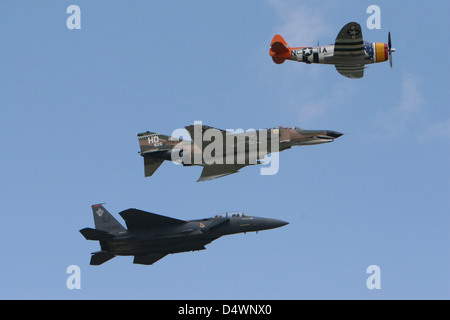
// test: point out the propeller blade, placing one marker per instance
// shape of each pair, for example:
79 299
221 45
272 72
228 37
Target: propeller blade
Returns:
390 49
389 41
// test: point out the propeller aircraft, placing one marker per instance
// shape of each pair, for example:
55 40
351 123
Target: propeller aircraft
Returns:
350 53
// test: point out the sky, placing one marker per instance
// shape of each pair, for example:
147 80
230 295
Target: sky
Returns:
72 102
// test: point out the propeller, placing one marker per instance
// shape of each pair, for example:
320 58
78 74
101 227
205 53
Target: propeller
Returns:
390 49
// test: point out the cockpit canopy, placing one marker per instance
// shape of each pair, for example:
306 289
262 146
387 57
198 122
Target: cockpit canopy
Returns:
175 139
233 214
292 128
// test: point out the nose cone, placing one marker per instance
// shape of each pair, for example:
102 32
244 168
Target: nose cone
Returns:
334 134
274 223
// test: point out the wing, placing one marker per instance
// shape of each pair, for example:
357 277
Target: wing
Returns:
196 131
349 42
138 219
352 71
148 259
219 170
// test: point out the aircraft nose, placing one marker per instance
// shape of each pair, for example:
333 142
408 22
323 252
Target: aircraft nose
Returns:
275 223
334 134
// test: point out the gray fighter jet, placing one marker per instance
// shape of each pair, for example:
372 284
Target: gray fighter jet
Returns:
150 236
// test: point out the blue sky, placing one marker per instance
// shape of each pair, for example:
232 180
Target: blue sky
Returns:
72 101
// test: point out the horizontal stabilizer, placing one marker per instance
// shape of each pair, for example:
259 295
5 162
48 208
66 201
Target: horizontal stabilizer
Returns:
94 234
151 165
99 258
148 259
278 60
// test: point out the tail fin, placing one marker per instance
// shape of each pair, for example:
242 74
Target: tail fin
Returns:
151 141
279 49
104 221
155 148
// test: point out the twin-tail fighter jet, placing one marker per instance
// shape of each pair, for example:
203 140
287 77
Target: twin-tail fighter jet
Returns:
150 237
222 152
350 53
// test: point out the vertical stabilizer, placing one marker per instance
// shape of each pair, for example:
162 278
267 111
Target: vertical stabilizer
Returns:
279 49
105 221
152 141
